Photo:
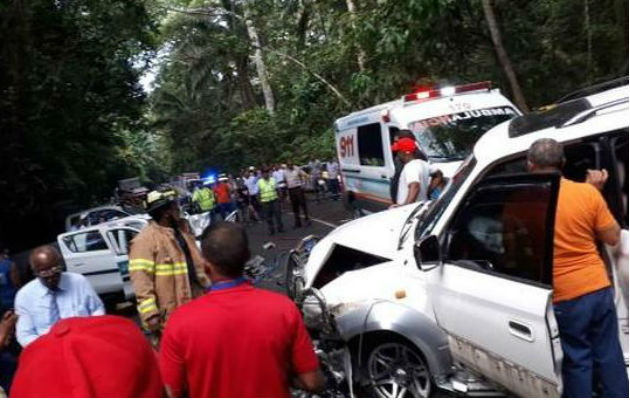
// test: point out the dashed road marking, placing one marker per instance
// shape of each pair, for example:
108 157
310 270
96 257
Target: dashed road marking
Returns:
324 222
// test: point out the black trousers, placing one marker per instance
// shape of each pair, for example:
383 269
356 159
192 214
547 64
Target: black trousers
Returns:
271 210
298 200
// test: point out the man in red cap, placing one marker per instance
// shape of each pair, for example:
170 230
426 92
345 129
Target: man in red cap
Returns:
414 178
237 340
105 356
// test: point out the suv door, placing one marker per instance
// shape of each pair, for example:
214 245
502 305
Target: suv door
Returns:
119 239
618 182
492 295
86 252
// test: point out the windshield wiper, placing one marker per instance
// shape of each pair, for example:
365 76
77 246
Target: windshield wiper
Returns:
407 225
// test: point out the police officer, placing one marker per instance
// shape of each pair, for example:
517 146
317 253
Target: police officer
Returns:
268 197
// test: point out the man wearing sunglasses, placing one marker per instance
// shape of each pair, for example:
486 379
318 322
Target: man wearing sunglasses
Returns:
51 296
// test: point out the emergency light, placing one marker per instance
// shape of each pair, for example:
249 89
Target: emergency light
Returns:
447 91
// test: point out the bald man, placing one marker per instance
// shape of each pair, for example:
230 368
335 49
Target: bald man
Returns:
51 296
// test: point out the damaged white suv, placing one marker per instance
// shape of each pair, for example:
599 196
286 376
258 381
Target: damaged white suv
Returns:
441 294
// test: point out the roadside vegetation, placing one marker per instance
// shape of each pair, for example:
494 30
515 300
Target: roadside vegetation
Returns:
248 82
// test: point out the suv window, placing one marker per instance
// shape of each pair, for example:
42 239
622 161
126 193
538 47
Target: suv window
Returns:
502 229
581 157
620 163
85 241
586 155
370 145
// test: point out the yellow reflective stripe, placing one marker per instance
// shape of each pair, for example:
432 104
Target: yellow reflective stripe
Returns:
141 264
150 300
147 306
178 268
142 261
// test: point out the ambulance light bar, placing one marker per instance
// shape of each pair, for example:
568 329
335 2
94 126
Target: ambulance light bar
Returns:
447 91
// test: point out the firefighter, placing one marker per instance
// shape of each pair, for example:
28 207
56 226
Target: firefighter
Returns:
165 265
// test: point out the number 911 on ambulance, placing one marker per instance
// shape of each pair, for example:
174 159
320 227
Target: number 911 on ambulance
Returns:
446 123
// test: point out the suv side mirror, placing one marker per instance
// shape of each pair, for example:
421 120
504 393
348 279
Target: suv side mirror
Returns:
427 253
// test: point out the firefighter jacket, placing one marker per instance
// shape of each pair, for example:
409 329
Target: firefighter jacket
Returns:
157 266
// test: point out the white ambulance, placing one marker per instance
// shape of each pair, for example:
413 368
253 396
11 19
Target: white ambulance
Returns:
446 122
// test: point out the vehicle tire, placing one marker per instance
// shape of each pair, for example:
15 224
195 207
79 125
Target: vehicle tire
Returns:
394 367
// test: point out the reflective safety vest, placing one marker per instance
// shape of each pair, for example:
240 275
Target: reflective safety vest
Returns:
204 198
267 190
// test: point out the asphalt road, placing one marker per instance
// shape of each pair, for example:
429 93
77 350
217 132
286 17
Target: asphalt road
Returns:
325 216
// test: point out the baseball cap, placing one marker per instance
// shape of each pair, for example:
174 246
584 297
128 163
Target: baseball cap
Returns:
104 356
404 144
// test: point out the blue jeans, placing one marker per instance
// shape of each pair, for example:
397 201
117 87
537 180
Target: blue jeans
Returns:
225 209
590 343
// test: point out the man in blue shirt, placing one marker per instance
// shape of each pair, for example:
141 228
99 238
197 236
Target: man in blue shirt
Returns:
51 296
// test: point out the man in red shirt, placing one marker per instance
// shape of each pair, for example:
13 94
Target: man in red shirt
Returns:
237 340
223 195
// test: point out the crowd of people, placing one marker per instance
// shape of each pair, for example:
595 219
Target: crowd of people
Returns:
260 194
207 332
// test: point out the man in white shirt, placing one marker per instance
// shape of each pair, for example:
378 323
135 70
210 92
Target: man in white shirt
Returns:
333 181
294 176
251 181
53 295
281 184
414 178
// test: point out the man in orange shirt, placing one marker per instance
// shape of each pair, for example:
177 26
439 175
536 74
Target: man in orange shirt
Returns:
583 297
223 195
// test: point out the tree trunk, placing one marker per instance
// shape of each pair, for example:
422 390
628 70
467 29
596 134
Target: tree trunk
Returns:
240 59
361 57
304 14
245 85
261 68
589 42
519 99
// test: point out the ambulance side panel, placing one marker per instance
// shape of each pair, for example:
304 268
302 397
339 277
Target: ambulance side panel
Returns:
365 162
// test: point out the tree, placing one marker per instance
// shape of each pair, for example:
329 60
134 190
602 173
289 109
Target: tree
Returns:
495 33
68 86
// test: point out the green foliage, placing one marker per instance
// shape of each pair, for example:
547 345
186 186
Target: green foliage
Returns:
70 100
405 43
74 118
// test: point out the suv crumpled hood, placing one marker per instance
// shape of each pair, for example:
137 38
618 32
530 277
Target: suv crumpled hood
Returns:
375 234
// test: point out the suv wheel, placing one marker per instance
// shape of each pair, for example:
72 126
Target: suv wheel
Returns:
396 369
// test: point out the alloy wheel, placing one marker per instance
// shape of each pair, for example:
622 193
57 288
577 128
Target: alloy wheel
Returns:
397 370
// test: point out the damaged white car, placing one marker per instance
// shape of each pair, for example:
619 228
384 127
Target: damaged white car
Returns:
455 294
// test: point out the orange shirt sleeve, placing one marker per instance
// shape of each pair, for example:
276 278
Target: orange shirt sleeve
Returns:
603 217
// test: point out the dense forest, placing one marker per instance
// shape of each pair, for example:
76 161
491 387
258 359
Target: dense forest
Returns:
244 82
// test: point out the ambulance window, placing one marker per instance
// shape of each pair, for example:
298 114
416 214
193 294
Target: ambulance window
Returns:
370 145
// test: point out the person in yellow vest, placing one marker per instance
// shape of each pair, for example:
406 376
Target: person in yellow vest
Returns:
268 197
203 197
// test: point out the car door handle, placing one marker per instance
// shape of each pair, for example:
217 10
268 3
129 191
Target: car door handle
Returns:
384 176
521 331
354 171
78 264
